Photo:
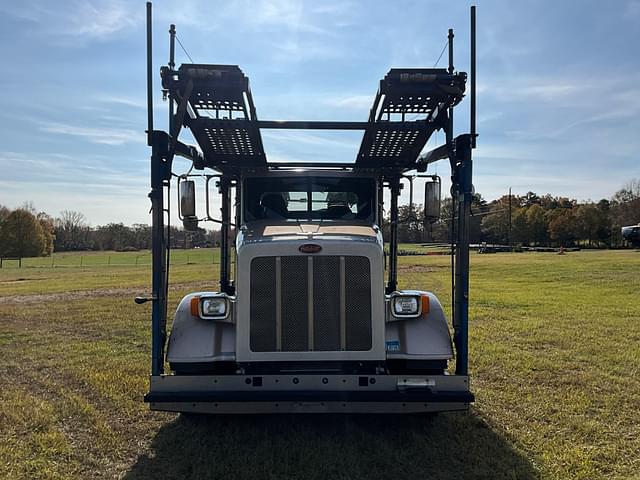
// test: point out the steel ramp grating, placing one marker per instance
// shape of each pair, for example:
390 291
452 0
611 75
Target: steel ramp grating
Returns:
220 114
395 136
392 143
216 104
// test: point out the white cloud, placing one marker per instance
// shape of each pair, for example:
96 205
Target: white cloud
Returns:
550 90
127 101
101 19
289 16
293 15
354 102
104 135
91 19
295 50
339 140
56 182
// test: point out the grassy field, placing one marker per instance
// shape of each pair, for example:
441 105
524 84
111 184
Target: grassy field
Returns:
140 258
555 360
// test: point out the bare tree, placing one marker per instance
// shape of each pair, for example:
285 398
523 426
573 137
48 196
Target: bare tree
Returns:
4 213
72 231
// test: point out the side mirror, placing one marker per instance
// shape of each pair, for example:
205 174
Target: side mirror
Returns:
188 205
432 200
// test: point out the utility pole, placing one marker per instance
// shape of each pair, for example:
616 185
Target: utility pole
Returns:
509 234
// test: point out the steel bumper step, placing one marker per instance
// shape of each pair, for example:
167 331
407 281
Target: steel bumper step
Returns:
425 395
310 393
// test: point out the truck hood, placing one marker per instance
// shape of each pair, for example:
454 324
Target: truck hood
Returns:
260 231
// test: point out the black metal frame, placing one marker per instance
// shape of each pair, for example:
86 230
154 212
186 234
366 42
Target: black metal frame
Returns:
229 145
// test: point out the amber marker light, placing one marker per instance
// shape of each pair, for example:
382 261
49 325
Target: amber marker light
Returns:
195 306
425 304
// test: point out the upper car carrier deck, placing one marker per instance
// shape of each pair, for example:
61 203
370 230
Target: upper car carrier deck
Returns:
216 104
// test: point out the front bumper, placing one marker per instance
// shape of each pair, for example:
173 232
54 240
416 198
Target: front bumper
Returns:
309 393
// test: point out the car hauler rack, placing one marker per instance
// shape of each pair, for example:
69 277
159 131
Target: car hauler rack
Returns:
215 103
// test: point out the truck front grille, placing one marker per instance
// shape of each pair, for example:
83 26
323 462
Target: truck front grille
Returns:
310 303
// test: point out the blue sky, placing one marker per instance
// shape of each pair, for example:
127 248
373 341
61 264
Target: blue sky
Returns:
558 84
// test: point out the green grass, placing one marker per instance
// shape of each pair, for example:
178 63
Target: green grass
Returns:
113 259
555 364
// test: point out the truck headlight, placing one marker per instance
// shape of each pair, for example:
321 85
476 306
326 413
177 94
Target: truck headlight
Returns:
214 307
409 306
405 306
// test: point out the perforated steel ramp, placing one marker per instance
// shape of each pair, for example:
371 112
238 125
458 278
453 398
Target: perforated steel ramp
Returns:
395 135
219 111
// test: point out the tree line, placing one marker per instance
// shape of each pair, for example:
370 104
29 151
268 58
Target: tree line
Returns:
24 232
532 220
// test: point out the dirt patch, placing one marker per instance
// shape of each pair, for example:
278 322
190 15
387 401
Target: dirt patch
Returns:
419 268
83 294
66 296
23 280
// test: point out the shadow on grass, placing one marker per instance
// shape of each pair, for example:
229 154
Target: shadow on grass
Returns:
331 447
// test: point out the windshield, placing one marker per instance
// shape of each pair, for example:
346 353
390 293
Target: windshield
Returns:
309 198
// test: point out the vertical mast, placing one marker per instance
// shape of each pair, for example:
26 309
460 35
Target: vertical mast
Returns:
473 77
159 146
172 64
463 190
149 79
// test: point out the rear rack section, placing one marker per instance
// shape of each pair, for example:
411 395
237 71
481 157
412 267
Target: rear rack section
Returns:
392 140
215 103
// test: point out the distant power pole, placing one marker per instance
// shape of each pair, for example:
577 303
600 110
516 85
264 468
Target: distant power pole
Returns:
509 234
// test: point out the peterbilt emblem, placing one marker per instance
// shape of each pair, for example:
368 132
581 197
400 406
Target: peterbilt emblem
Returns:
310 248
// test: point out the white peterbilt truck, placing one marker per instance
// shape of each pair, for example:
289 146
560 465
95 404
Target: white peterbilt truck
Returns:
306 320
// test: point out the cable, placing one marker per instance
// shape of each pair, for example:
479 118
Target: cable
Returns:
441 53
187 53
416 115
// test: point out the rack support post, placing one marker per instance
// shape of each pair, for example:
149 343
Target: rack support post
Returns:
392 284
225 257
158 252
463 190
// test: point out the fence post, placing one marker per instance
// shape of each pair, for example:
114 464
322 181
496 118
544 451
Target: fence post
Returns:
109 260
20 262
52 260
81 258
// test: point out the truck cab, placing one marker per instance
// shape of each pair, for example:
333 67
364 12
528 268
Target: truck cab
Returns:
309 289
